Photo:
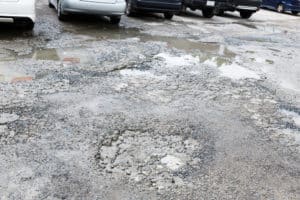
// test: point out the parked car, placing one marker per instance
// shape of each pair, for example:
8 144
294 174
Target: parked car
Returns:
207 6
167 7
111 8
19 12
245 7
282 5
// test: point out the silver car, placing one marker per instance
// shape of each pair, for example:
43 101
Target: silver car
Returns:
111 8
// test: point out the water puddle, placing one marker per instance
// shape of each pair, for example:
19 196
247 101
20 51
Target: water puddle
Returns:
66 55
205 51
111 33
80 55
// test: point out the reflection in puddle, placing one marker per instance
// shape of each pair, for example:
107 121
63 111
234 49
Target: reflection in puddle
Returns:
111 33
46 54
67 55
8 74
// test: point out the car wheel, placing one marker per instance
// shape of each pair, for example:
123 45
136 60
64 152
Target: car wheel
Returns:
115 19
60 15
129 10
280 8
295 12
208 12
168 15
245 14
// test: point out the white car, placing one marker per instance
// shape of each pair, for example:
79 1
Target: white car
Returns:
18 11
111 8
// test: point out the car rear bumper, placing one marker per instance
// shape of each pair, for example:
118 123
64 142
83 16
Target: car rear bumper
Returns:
110 9
18 10
154 6
231 5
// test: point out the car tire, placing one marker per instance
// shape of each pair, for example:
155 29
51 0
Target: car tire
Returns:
168 15
295 12
280 8
115 19
208 12
129 10
246 14
60 15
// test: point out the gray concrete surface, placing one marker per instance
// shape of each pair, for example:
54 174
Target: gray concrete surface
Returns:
191 108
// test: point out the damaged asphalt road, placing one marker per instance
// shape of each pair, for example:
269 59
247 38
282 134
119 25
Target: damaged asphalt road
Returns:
208 110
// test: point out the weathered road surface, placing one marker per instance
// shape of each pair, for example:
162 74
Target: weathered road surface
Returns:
153 109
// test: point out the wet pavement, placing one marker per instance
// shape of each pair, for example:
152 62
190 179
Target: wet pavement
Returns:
191 108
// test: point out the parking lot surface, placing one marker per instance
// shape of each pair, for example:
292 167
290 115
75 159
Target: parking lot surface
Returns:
191 108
